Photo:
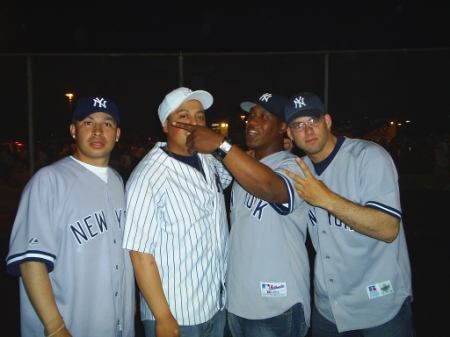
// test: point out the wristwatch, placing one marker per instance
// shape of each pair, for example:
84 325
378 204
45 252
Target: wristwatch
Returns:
223 149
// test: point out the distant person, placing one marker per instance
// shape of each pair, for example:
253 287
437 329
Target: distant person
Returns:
7 167
125 164
66 242
362 277
439 175
176 228
268 267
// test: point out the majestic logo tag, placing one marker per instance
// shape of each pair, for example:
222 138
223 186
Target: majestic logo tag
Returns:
265 97
33 242
101 102
273 289
299 102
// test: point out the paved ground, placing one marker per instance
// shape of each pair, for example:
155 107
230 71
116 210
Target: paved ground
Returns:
426 216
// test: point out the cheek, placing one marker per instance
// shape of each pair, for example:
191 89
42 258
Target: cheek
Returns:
177 132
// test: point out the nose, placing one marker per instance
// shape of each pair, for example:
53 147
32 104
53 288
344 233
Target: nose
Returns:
252 120
308 128
192 120
98 130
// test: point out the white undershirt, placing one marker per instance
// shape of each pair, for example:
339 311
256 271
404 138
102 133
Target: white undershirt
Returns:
102 172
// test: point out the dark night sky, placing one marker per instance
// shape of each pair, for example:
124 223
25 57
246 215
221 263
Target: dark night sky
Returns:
216 26
82 27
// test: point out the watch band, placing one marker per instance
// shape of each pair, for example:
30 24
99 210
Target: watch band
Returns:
223 149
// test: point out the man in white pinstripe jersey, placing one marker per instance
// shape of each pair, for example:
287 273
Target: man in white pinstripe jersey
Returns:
176 228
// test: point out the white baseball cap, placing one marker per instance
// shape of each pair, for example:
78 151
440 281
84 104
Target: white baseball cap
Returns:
180 95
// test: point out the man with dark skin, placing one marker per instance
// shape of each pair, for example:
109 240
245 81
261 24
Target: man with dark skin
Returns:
266 297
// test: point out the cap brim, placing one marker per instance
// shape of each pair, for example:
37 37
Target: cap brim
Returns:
316 113
202 96
247 106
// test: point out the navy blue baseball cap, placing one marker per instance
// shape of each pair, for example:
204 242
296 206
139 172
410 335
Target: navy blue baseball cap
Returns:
272 103
303 104
90 104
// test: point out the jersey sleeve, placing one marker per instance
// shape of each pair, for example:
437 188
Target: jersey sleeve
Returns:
294 200
34 235
224 175
141 226
378 181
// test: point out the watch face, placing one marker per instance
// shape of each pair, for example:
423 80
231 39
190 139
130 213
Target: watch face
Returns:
225 146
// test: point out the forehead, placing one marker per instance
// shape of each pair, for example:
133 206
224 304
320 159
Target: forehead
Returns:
100 115
302 119
191 104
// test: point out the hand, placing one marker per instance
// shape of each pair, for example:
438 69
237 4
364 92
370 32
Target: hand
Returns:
312 190
167 327
200 138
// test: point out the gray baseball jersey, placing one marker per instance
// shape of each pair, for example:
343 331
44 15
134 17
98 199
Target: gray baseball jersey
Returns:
268 267
178 215
359 282
72 221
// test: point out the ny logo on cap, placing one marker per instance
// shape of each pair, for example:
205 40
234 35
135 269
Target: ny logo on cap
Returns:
101 102
299 102
265 97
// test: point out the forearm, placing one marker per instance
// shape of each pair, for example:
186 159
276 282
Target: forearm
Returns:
255 177
365 220
40 293
149 282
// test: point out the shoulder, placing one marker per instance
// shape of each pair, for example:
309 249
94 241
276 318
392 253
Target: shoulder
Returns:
363 148
64 169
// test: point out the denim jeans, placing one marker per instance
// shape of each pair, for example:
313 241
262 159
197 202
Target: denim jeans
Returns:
212 328
288 324
399 326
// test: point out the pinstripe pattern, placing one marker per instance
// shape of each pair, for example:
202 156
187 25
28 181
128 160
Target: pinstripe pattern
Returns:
173 214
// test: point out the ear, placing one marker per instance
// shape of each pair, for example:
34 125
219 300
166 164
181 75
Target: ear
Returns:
289 134
282 127
328 121
118 134
72 130
164 126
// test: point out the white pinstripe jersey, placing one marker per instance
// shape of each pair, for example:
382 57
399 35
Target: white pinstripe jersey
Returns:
180 218
359 282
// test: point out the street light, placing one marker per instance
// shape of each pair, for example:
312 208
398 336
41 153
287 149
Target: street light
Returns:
69 96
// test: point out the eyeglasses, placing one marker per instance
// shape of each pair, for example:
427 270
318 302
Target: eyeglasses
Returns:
300 126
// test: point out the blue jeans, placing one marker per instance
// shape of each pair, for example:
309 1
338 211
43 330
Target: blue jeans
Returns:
291 323
399 326
212 328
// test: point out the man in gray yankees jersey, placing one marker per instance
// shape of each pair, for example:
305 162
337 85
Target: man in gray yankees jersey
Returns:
66 243
176 228
268 267
362 278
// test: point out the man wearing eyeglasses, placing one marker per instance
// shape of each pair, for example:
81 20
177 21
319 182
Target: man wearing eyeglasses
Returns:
362 278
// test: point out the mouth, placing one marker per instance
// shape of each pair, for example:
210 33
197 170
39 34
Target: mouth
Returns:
252 133
97 144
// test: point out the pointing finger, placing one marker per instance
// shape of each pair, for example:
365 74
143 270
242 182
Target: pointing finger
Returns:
186 126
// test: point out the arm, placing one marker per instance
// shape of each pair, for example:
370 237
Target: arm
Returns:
39 289
149 281
365 220
257 178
